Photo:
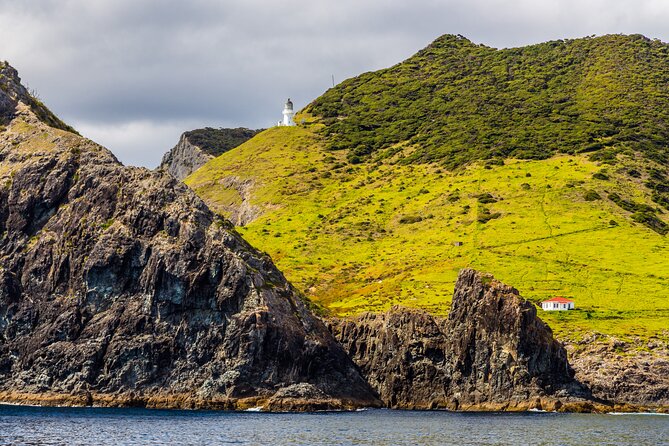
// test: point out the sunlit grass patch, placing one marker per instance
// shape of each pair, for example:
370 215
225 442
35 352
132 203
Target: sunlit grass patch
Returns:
365 237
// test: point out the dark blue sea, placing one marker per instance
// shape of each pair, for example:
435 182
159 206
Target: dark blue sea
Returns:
93 426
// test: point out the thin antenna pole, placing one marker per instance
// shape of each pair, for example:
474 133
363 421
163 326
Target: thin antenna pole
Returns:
333 80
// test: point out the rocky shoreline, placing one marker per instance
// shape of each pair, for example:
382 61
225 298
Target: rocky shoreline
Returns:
119 283
185 401
493 353
192 402
633 373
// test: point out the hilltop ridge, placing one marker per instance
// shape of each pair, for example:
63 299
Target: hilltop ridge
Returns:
454 102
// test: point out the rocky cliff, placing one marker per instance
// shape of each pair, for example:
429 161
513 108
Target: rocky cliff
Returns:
491 353
632 372
118 286
196 147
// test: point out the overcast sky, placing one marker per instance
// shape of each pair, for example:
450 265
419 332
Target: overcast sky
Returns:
134 74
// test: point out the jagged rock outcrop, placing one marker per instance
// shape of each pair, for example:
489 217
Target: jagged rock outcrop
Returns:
12 92
196 147
118 286
492 352
184 159
626 372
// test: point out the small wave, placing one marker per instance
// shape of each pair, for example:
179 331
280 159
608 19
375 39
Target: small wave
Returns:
254 409
2 403
640 413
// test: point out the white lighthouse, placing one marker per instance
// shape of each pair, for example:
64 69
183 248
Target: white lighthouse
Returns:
288 114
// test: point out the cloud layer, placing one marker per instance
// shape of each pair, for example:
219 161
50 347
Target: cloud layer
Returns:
133 75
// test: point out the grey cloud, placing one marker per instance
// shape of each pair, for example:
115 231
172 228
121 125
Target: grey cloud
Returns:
133 74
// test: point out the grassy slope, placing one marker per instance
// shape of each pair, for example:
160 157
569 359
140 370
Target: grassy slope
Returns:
335 230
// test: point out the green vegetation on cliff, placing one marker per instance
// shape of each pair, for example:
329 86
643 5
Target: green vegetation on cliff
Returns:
546 166
217 141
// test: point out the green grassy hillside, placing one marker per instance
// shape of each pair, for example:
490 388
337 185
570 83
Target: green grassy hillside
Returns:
365 237
455 102
558 188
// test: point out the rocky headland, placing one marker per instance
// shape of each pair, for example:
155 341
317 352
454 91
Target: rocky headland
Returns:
196 147
491 353
118 286
633 372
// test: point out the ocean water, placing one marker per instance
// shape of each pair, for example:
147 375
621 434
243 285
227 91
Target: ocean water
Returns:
98 426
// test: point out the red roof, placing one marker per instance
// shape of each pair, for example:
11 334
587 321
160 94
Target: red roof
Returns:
560 300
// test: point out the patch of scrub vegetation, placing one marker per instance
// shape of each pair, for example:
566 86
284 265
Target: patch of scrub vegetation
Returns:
652 221
485 215
346 241
408 219
591 195
455 102
217 141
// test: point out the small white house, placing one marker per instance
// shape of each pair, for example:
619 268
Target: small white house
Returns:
288 115
557 304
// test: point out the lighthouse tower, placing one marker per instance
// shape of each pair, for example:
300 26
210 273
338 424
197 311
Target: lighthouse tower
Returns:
288 114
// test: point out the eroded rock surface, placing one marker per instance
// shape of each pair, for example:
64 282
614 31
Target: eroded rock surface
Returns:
632 372
118 286
184 159
492 352
196 147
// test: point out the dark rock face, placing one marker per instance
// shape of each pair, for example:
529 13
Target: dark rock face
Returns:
118 286
498 343
196 147
492 352
632 372
402 354
184 159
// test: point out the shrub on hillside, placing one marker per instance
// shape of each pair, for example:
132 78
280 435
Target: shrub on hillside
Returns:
409 219
486 198
591 195
485 215
652 221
